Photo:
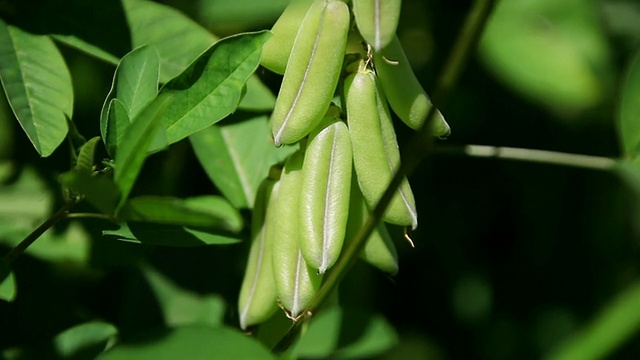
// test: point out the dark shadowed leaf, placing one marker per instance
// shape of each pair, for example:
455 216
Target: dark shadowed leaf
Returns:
193 343
210 212
168 235
630 109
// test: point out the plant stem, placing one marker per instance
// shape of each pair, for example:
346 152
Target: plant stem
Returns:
35 234
531 155
418 148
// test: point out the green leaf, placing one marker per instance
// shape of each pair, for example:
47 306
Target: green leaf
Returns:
181 307
136 142
258 97
211 87
7 282
242 14
135 85
209 212
87 48
554 52
178 38
86 156
84 341
38 86
237 155
117 122
629 114
616 323
168 235
346 334
193 343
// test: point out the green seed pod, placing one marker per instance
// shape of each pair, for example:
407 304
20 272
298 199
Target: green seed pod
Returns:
375 149
377 20
296 282
379 249
257 300
324 197
277 49
403 90
312 71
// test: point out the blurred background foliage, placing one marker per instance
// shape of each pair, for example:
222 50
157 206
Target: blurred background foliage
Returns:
512 259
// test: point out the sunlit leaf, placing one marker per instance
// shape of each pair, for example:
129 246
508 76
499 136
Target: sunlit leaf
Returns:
193 343
237 155
211 87
182 307
84 341
178 38
554 52
117 122
136 142
38 85
258 97
135 85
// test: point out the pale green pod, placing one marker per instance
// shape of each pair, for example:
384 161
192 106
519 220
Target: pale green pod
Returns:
379 250
296 282
257 300
376 156
276 51
324 199
377 20
403 90
312 72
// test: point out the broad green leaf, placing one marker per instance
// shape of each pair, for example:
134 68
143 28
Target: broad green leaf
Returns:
25 203
178 38
87 48
616 323
258 97
38 85
346 334
7 282
224 14
554 52
136 142
84 341
210 212
211 87
193 343
135 85
182 307
168 235
116 126
237 155
630 110
138 76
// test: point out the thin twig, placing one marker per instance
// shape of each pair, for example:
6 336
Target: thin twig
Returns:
418 148
35 234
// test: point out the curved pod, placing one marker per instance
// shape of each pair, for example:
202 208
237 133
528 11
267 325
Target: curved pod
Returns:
296 282
375 149
403 90
312 71
326 184
276 51
377 20
257 300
